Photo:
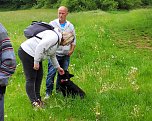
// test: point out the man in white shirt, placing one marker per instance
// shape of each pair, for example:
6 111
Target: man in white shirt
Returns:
63 53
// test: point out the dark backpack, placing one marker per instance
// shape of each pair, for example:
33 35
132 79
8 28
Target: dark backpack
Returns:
35 28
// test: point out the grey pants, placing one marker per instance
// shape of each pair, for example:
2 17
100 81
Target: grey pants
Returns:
33 77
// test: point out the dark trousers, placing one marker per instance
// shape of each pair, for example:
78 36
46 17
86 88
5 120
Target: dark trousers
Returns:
33 77
2 91
2 108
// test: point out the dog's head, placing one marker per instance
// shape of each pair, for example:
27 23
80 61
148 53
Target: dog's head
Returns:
66 76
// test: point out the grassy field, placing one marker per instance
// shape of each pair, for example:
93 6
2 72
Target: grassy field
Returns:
112 63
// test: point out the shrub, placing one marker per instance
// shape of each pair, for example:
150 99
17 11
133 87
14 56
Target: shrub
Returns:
106 4
76 5
146 2
79 5
109 5
43 3
128 4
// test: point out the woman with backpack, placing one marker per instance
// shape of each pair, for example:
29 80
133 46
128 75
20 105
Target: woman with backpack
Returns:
32 52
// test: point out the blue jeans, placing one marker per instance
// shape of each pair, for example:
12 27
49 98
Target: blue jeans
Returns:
64 63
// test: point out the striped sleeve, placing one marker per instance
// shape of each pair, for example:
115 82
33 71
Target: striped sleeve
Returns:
7 55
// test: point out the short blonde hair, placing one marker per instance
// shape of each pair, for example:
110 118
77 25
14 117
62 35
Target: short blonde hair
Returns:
68 38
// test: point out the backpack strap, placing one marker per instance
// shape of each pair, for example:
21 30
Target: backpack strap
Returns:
37 37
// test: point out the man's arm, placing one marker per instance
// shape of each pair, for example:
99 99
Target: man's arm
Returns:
71 49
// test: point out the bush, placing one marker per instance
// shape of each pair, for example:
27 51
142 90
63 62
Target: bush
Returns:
109 5
71 5
106 4
89 4
42 3
146 2
79 5
128 4
76 5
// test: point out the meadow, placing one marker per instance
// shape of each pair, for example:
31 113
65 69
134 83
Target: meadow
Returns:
112 63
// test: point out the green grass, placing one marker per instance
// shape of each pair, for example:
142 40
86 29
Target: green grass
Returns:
111 63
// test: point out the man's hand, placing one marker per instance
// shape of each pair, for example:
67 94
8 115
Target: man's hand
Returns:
70 52
36 67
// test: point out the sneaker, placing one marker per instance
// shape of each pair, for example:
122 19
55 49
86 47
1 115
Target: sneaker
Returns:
35 104
46 96
40 102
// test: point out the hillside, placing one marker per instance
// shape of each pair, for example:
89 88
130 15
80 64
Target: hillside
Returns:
111 63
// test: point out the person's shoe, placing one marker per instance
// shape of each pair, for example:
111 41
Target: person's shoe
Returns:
35 104
46 96
40 102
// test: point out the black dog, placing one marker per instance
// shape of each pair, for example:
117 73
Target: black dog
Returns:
68 88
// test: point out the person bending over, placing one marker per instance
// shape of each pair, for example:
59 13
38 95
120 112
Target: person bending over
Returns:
31 53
